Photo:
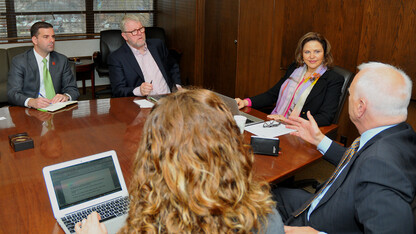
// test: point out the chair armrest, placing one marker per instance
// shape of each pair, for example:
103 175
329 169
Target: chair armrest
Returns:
96 57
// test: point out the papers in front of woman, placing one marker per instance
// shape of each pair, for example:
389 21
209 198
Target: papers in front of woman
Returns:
259 130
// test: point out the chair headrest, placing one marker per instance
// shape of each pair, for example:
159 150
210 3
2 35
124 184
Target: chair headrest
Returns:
110 40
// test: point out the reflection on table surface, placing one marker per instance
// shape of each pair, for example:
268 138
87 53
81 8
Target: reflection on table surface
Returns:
87 128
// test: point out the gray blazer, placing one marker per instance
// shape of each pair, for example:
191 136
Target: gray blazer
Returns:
24 81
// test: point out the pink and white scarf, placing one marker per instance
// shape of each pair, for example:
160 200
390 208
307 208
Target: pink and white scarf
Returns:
293 87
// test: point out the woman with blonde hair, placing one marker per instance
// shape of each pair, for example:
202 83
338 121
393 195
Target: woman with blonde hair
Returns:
193 173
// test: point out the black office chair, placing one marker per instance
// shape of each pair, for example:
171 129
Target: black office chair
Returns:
348 76
157 32
111 40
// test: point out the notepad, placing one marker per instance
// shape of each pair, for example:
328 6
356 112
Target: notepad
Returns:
144 103
57 106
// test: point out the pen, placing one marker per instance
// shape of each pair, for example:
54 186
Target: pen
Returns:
43 97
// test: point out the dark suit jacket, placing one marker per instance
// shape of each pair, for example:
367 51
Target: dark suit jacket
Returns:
125 72
322 101
24 81
373 193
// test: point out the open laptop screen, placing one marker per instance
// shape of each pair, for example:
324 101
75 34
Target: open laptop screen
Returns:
84 182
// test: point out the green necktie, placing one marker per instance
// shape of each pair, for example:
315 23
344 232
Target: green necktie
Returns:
47 81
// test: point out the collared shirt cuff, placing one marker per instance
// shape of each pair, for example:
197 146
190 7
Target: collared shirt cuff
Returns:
27 102
69 96
324 145
137 92
249 101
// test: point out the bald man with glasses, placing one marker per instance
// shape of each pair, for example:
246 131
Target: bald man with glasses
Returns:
141 66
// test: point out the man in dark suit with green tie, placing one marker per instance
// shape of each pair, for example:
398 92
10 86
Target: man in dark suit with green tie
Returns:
41 76
372 188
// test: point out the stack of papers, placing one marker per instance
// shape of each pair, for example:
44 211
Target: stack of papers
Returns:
259 130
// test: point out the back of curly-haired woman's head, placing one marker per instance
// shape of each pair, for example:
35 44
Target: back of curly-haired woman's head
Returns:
192 172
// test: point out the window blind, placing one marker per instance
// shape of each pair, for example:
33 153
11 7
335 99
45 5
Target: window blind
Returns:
69 18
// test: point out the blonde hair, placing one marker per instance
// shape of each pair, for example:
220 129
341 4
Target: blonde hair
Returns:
192 172
129 17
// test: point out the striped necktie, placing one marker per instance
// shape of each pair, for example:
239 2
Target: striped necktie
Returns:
344 161
47 81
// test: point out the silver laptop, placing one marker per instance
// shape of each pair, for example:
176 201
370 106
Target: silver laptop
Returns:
232 105
93 183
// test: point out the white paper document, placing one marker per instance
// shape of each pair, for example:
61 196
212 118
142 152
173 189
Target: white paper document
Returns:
143 103
259 130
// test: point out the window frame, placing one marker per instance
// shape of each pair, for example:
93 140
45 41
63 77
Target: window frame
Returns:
89 13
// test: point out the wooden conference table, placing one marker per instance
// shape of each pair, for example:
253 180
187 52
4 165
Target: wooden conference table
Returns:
87 128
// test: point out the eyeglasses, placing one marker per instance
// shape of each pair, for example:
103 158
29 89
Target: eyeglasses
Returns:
136 31
272 123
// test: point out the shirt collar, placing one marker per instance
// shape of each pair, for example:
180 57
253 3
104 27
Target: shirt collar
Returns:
367 135
136 51
39 58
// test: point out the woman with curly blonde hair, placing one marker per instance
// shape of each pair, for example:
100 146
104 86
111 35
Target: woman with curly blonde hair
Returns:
193 173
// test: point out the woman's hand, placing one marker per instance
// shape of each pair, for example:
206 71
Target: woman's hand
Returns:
278 118
241 103
91 225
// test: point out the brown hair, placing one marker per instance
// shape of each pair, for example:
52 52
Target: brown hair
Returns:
314 36
192 172
34 30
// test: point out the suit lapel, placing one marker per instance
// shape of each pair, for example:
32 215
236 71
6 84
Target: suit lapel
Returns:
317 88
158 60
53 69
131 60
341 178
34 67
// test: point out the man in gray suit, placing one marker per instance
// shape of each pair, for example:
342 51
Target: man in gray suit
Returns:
27 83
372 189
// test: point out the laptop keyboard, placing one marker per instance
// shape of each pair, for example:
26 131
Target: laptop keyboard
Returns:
108 210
